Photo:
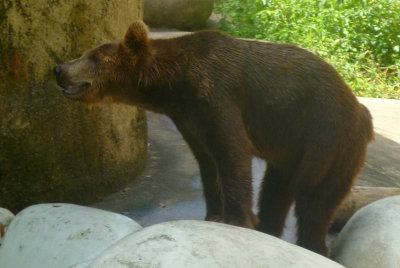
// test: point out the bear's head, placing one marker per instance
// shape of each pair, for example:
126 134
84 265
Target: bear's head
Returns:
106 71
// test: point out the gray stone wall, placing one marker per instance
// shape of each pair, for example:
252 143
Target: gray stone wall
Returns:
53 149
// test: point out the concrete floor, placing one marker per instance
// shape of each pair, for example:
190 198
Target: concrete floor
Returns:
383 162
170 187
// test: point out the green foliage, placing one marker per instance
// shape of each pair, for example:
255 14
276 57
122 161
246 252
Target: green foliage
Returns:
361 38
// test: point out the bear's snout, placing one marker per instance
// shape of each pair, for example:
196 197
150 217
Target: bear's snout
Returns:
57 70
60 75
72 88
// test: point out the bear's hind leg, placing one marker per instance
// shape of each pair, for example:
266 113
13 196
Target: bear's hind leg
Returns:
275 199
316 203
314 210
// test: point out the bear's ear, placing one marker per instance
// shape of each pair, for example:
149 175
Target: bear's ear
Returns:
136 37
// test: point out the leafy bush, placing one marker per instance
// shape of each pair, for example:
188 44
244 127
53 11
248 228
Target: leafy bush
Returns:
361 38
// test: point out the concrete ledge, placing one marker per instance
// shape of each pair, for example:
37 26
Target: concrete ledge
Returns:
386 116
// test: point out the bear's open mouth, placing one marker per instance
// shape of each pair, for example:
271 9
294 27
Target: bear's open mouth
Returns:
75 89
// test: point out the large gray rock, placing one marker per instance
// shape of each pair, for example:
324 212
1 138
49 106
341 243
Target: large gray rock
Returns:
371 238
179 14
61 235
52 149
199 244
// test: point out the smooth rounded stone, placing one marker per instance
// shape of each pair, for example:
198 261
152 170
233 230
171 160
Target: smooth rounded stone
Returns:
61 235
179 14
371 238
206 244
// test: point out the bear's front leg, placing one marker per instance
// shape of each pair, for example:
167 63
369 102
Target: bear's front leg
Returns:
222 149
208 173
236 188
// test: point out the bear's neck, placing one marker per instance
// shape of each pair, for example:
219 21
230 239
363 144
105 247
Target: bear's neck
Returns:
160 79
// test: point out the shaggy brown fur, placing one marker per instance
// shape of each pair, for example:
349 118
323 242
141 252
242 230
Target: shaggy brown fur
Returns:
233 99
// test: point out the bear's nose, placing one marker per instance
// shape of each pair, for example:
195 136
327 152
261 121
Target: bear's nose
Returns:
57 70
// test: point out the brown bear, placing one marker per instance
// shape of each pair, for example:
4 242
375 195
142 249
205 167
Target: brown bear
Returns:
233 99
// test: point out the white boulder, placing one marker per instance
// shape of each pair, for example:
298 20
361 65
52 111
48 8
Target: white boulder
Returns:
61 235
371 238
206 244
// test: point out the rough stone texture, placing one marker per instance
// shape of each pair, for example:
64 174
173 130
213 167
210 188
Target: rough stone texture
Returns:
206 244
371 238
179 14
61 235
52 149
